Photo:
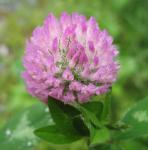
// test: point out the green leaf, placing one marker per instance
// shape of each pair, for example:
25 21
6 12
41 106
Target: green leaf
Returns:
18 132
56 135
80 126
106 114
94 107
97 97
137 120
63 131
61 112
91 112
100 136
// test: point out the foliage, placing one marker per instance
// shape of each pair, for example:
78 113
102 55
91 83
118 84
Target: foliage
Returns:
62 127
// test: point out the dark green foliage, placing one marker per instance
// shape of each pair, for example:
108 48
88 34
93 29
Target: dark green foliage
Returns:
63 131
58 134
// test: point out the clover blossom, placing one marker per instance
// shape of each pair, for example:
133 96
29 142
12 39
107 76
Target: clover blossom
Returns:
69 59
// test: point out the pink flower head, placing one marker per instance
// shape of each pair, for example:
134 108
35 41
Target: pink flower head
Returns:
69 59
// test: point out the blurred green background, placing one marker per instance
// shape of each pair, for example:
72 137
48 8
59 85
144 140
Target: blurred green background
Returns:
126 21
